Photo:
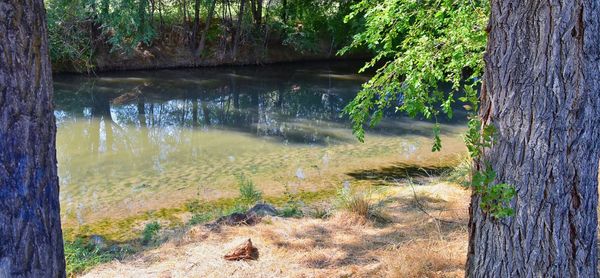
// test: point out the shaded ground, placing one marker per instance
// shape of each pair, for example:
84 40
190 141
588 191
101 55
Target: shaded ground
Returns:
413 244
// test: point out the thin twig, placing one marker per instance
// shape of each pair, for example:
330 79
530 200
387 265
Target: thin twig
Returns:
422 209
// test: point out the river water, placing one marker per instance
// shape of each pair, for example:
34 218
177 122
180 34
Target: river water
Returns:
134 141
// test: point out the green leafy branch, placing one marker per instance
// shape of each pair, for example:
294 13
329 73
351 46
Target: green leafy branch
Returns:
422 45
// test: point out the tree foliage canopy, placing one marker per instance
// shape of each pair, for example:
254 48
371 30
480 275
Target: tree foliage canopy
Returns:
419 45
77 28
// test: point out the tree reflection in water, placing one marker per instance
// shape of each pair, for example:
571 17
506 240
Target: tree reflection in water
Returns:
125 136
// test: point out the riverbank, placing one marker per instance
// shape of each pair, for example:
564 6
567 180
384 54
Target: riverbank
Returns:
422 220
164 53
122 236
173 57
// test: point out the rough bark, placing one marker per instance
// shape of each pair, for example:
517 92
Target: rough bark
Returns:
209 16
257 7
284 11
196 24
542 93
238 30
31 242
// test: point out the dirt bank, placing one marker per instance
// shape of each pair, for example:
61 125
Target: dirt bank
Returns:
165 53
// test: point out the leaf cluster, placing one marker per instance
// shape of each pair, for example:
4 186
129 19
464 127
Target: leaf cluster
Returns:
419 45
495 198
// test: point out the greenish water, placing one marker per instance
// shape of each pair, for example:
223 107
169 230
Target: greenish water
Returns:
135 141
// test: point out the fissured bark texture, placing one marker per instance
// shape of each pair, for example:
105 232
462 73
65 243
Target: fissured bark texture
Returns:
31 242
542 92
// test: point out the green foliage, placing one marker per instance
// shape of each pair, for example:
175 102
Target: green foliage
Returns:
193 206
478 138
420 44
293 206
200 218
150 232
81 256
69 40
75 27
80 28
298 37
494 198
310 23
249 194
128 24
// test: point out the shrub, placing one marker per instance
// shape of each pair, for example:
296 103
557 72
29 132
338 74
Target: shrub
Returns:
249 194
150 231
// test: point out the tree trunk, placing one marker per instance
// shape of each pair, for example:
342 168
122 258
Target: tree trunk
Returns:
284 11
196 25
142 15
160 14
152 10
104 10
542 93
238 29
257 6
30 232
209 16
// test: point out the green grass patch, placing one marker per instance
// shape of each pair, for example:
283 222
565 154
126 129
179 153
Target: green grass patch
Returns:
81 255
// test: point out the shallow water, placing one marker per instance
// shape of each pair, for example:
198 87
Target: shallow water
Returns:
134 141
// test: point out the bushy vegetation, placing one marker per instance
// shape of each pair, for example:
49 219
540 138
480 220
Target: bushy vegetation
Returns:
418 45
249 194
150 231
80 29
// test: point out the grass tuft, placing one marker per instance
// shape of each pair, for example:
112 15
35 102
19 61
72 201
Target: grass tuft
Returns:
320 213
82 256
293 206
461 173
360 204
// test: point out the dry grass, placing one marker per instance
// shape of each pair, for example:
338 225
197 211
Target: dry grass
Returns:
412 244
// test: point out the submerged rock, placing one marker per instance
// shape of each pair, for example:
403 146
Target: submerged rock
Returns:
245 251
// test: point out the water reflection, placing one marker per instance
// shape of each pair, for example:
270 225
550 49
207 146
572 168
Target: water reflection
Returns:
138 140
288 104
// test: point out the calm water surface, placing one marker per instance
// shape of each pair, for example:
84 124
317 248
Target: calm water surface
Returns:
134 141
